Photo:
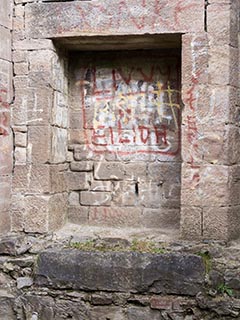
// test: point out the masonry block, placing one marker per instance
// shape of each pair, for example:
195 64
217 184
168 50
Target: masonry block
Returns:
115 216
125 194
78 180
5 39
109 171
191 222
91 198
161 17
36 213
59 145
39 144
78 214
162 218
5 193
6 14
81 166
6 156
57 215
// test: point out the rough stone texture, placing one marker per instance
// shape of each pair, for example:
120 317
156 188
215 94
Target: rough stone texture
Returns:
117 18
97 285
123 272
6 92
102 135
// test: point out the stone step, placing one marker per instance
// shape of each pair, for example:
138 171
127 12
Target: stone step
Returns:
170 273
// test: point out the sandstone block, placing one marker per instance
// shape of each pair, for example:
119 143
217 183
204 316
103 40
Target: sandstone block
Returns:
76 136
223 61
5 39
6 146
136 171
20 68
36 214
78 214
95 198
5 192
19 56
59 145
101 186
6 13
31 178
83 153
216 223
195 59
41 60
164 172
57 211
58 178
150 194
39 105
17 211
78 181
109 171
20 139
33 44
81 166
60 115
191 222
20 155
39 144
162 218
146 19
115 216
73 199
125 194
6 76
222 21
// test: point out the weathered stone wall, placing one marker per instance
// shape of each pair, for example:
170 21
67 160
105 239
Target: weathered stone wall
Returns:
125 131
6 96
185 282
210 125
40 120
119 184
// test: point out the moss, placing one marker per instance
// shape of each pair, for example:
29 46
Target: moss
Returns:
134 246
207 260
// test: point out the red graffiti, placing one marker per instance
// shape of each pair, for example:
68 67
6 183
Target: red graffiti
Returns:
134 109
4 113
148 16
192 129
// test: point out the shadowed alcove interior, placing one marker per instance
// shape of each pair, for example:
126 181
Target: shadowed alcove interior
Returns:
124 135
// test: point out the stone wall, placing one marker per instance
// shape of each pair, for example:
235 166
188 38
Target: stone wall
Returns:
6 96
67 166
184 282
40 120
125 131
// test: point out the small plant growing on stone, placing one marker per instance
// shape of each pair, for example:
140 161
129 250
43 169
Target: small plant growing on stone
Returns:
206 260
145 246
224 289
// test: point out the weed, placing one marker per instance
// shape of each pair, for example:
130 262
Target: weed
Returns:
223 288
206 260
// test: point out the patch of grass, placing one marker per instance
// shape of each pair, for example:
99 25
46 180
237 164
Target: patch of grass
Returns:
134 246
145 246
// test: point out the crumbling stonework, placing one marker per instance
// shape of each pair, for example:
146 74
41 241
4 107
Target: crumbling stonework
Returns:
184 282
124 114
